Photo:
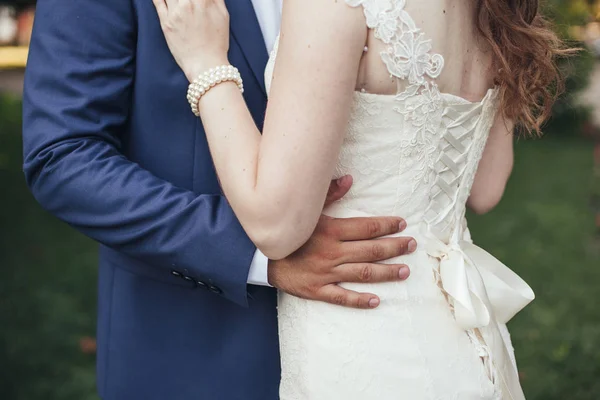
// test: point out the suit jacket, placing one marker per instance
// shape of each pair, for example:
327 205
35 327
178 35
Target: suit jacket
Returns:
112 148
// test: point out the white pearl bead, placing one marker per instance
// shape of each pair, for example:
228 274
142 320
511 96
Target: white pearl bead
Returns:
210 79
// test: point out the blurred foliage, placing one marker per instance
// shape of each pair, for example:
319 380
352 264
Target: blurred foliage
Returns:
566 13
47 289
569 117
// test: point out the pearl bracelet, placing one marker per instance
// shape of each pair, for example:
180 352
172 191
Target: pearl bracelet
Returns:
211 78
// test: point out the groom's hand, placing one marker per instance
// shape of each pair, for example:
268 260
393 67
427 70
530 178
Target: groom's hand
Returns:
343 250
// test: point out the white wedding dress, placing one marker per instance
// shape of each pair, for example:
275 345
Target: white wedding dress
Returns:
441 334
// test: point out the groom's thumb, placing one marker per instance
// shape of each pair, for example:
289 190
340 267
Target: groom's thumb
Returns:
338 189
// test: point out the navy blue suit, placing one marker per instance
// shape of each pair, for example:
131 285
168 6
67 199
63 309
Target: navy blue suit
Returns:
112 148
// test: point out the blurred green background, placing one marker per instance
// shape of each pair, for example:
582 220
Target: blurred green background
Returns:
546 228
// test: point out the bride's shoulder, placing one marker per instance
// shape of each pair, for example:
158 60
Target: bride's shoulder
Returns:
336 16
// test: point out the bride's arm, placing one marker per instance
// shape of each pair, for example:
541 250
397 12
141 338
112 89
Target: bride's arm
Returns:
495 167
277 183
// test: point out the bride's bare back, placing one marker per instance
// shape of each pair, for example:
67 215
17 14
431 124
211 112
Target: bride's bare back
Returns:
450 26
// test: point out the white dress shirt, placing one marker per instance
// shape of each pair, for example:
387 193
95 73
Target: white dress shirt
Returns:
268 13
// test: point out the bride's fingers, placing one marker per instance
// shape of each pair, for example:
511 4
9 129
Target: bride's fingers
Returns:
221 5
339 296
161 9
171 3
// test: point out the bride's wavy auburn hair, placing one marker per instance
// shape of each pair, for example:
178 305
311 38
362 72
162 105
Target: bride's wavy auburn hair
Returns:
525 51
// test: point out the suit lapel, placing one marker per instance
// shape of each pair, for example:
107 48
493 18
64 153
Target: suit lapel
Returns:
246 32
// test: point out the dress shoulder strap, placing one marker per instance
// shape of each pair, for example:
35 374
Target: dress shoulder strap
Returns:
408 55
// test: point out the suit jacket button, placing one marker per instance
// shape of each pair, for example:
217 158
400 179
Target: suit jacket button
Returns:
175 273
203 285
215 289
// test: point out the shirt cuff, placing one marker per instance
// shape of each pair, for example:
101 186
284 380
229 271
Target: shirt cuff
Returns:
258 274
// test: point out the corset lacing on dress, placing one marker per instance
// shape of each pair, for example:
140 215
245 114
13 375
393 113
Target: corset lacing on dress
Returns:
479 289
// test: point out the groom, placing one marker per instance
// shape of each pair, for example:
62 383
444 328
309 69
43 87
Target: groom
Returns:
111 147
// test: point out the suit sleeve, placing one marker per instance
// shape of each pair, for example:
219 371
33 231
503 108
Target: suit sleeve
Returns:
77 98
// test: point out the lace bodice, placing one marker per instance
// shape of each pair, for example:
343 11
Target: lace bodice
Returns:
413 154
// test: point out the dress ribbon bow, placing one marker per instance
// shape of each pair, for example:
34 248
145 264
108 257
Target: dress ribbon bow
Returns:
479 285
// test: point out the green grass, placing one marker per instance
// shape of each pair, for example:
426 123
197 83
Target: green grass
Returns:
542 229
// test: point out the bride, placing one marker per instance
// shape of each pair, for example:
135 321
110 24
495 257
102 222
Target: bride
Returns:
417 101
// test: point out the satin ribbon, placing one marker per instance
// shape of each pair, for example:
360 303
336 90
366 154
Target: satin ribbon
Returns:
480 286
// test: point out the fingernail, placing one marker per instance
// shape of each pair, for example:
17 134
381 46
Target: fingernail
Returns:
412 245
404 272
374 302
402 225
339 181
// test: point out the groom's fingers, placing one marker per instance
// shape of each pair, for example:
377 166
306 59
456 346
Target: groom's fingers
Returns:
376 250
339 296
338 189
371 273
367 228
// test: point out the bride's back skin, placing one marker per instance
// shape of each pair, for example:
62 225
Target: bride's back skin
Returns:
450 25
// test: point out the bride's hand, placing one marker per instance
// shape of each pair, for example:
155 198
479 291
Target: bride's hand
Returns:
197 32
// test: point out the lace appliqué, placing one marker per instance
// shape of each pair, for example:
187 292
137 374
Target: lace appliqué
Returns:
407 56
424 113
